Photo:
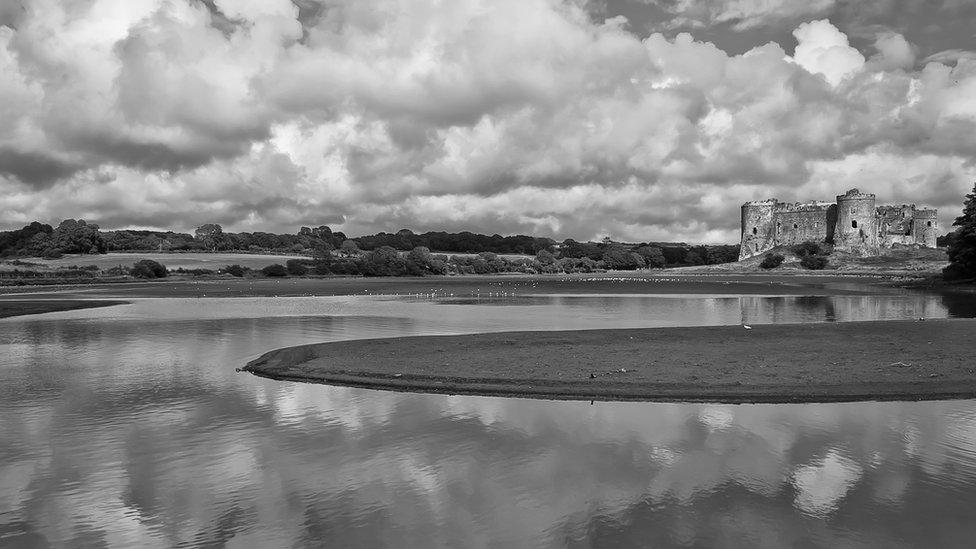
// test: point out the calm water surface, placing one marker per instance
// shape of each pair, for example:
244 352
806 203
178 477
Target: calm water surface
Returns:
128 427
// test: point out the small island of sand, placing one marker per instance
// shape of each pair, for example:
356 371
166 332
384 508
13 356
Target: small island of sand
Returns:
889 360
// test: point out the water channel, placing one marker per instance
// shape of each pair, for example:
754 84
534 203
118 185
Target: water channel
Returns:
128 426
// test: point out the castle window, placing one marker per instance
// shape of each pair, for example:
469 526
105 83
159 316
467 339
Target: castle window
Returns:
755 230
794 225
930 223
854 224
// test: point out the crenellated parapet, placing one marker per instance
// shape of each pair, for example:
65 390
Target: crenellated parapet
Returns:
853 223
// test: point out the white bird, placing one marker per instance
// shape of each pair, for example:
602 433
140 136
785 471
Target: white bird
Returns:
747 327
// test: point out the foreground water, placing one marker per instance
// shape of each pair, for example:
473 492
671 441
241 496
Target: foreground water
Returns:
128 426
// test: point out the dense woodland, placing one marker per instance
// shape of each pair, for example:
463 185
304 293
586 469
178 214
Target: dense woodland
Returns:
346 255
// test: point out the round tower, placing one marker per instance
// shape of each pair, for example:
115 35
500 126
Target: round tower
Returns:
925 227
857 223
758 232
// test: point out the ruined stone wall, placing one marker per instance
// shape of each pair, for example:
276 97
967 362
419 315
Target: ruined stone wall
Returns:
758 233
853 224
857 224
796 223
926 227
895 225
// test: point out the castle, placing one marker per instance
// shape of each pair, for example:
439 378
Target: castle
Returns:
853 224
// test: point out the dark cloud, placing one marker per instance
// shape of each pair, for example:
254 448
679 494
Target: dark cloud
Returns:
35 169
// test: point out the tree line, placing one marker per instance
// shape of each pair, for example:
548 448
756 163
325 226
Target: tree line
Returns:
80 237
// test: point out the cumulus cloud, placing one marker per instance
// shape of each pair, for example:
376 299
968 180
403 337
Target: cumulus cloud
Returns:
894 51
505 116
823 49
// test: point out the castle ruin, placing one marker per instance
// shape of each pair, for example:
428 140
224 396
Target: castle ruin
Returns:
853 224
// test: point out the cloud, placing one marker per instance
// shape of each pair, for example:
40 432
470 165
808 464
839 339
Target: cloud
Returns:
34 168
822 49
894 52
947 57
740 14
510 116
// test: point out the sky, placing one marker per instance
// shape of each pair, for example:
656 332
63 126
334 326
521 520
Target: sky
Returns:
642 120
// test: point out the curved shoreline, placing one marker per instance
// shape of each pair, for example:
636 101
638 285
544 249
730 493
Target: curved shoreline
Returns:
12 308
891 360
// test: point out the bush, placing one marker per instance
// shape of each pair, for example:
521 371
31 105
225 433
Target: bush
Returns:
814 262
194 272
275 270
955 271
235 270
807 249
771 261
296 267
147 268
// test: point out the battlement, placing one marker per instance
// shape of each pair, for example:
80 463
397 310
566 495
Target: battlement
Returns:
803 206
854 194
853 223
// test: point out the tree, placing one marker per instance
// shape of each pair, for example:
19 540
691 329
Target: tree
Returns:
962 248
297 267
384 261
421 257
77 237
209 234
545 257
618 257
147 268
653 256
349 247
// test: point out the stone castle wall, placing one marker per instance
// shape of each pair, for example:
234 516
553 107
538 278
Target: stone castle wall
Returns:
854 223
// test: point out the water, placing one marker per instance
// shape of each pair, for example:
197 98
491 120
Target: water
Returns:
128 426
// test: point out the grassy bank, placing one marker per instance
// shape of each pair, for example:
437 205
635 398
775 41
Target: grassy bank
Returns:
20 308
770 363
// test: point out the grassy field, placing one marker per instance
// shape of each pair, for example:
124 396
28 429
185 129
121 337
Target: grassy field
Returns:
902 261
171 261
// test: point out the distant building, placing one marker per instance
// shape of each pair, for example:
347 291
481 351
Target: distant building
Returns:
853 223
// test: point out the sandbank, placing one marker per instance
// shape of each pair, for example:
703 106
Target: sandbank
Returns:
20 308
890 360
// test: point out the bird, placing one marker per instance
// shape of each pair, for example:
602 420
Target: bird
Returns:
747 327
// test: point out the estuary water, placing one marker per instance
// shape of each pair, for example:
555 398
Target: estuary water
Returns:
129 427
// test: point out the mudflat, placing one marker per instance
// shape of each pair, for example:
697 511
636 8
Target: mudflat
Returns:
642 282
889 360
28 307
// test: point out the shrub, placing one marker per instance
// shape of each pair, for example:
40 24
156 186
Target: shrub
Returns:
147 268
194 272
235 270
275 270
806 249
296 267
771 261
814 262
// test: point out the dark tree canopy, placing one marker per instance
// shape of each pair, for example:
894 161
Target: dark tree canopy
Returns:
962 248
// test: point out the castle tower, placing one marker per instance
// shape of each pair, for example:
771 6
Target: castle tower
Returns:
758 230
857 224
925 227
